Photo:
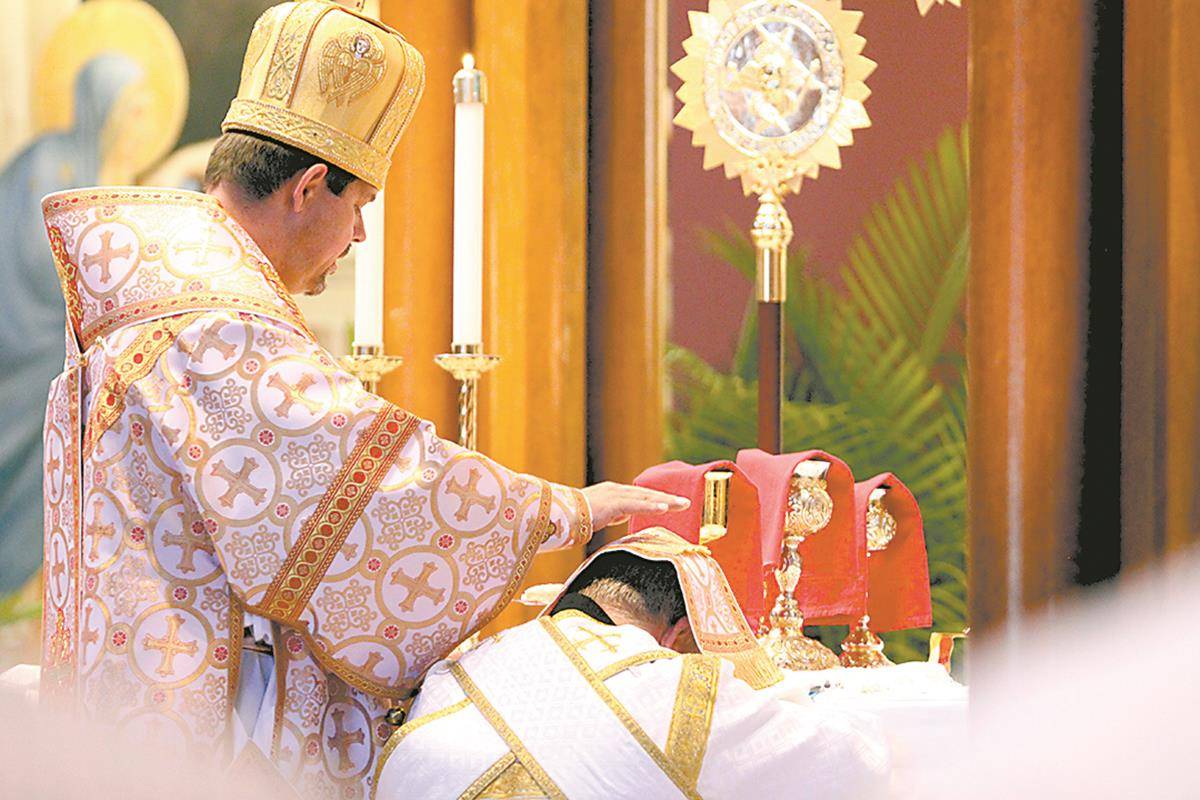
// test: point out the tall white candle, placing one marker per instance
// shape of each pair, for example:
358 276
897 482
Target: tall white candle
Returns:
469 97
368 277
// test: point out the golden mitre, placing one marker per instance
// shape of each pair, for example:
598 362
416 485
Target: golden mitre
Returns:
331 81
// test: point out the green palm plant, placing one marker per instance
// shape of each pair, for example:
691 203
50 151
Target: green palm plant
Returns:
875 367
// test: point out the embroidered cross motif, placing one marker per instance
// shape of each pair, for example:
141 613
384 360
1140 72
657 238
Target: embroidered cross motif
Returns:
418 587
53 466
97 531
342 739
189 540
368 666
590 637
238 482
90 634
105 255
203 249
210 339
170 645
293 394
469 495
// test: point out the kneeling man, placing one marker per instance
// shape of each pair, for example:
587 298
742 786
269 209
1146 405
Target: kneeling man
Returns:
642 680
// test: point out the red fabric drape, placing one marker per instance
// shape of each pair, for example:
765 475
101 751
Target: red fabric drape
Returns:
833 584
897 576
738 552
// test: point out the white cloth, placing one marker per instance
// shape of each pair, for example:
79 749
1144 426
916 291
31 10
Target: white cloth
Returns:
256 691
759 744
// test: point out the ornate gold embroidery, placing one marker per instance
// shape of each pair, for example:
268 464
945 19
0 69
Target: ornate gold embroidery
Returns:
490 775
237 624
400 108
506 733
289 49
68 277
345 151
619 710
352 63
583 526
508 782
342 504
134 313
692 717
134 363
618 667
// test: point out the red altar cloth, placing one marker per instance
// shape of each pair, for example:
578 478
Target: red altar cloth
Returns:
738 552
833 584
898 594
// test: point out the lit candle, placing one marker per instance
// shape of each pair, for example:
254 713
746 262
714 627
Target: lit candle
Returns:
470 93
368 277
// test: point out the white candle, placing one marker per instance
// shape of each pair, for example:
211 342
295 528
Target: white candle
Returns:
469 97
368 277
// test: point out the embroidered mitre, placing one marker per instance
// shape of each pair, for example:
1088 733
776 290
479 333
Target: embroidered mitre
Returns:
331 81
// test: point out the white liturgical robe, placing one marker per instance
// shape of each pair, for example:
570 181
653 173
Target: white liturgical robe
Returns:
570 707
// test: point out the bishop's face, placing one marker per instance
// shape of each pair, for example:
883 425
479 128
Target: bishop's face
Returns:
326 227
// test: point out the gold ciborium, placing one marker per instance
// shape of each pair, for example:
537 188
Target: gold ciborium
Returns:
862 648
809 510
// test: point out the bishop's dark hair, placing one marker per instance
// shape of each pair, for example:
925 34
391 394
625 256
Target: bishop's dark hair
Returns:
643 588
258 166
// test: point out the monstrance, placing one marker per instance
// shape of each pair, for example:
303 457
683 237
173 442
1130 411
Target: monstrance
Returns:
771 90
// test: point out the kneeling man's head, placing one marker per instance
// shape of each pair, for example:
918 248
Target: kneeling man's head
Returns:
637 591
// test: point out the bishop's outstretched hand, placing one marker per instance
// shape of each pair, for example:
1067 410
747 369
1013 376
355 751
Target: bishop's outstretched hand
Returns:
613 503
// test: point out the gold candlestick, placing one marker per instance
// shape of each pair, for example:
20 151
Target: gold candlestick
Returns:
368 363
810 508
861 647
467 362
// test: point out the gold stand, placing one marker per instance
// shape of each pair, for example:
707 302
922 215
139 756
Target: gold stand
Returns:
368 363
810 508
467 362
861 647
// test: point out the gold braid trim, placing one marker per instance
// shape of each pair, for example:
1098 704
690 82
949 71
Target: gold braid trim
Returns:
692 718
583 530
513 781
617 667
506 733
237 624
158 307
132 364
622 713
404 730
342 504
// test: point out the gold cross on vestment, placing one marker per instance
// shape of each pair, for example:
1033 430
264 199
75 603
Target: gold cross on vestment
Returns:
591 637
341 740
418 587
95 530
293 394
105 255
90 634
468 495
203 248
238 482
170 645
210 339
189 542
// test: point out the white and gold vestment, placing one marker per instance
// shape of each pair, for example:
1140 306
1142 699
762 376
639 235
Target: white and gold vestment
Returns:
566 706
207 460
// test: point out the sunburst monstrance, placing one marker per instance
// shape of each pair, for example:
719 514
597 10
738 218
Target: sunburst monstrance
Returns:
772 89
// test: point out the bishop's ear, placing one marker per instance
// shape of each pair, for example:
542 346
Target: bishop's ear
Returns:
307 185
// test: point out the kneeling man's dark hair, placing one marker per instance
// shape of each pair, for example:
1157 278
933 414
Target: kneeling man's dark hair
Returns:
258 166
646 589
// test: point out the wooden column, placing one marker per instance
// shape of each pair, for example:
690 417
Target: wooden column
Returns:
1161 359
534 53
630 112
419 217
1030 91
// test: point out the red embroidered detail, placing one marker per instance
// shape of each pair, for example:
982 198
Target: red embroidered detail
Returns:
343 503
